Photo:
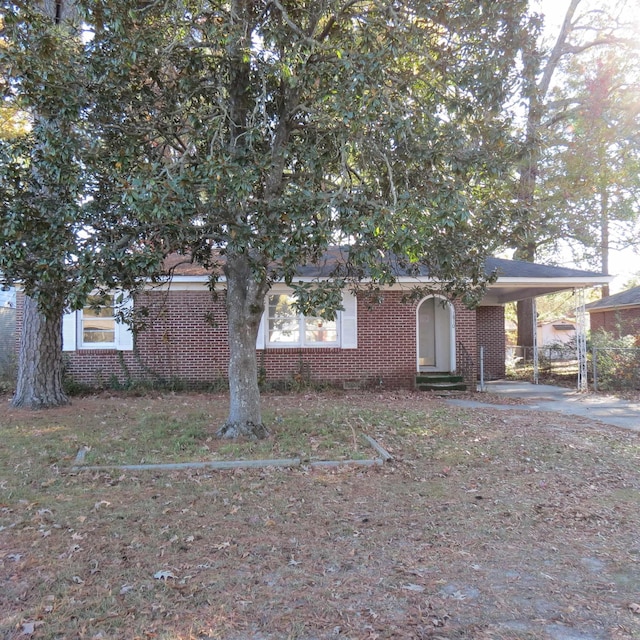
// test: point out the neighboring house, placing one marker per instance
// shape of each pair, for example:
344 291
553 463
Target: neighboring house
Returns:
556 332
383 344
618 314
551 338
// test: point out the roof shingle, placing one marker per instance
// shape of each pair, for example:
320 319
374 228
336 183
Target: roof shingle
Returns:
628 298
181 265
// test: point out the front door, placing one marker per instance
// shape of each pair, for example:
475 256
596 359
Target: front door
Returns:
435 335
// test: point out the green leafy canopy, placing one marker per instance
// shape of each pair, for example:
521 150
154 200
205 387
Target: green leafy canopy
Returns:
274 130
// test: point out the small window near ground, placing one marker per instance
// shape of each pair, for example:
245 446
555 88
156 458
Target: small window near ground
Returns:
287 327
98 324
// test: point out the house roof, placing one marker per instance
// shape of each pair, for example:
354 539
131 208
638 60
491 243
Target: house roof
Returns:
180 265
520 269
628 298
557 322
516 280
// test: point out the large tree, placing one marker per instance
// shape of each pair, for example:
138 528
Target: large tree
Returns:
57 244
593 178
41 181
587 26
256 134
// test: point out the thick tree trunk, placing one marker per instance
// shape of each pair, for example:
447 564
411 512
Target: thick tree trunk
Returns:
604 236
245 304
39 383
524 309
245 289
526 326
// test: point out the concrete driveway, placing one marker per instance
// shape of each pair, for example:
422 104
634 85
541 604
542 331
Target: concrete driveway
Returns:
543 397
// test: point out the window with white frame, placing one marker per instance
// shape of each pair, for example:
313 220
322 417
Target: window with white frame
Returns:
97 328
98 325
287 327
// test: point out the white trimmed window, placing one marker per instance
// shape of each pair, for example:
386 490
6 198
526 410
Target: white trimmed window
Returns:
287 327
283 326
97 327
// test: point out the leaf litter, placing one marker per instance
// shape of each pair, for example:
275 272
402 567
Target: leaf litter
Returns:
482 527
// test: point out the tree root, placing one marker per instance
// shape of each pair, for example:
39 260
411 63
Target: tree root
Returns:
35 403
250 430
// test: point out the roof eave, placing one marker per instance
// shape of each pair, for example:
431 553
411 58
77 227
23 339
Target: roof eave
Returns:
505 289
581 281
615 307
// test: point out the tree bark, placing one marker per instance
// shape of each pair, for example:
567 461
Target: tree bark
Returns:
39 384
526 326
604 235
537 93
524 309
60 10
245 304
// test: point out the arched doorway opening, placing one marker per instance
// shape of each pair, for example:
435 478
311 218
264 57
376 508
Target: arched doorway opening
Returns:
436 335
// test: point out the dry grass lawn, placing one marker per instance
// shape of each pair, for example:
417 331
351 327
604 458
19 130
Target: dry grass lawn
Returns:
488 524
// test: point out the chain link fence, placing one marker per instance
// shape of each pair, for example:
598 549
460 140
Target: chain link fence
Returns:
557 364
609 367
549 356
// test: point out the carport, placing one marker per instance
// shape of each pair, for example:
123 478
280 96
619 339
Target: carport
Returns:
518 280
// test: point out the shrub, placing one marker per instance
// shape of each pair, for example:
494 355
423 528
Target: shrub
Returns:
617 361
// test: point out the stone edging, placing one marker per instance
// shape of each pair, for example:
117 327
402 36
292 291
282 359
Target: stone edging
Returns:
385 456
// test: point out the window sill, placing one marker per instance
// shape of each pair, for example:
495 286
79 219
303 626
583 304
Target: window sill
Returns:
93 351
298 349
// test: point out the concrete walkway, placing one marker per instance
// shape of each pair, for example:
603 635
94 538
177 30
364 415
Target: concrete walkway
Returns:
544 397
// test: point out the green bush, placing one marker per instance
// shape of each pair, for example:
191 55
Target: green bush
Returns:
617 361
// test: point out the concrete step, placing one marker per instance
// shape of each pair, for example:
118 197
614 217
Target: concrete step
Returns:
429 378
437 387
440 382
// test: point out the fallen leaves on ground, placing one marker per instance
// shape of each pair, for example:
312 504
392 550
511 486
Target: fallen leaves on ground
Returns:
485 526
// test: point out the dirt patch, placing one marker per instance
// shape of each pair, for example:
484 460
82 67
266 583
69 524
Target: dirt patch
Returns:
486 526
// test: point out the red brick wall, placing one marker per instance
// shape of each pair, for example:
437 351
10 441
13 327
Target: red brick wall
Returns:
466 348
491 336
385 357
619 322
186 341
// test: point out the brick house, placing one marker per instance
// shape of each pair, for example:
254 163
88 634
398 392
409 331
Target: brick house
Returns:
618 314
384 344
